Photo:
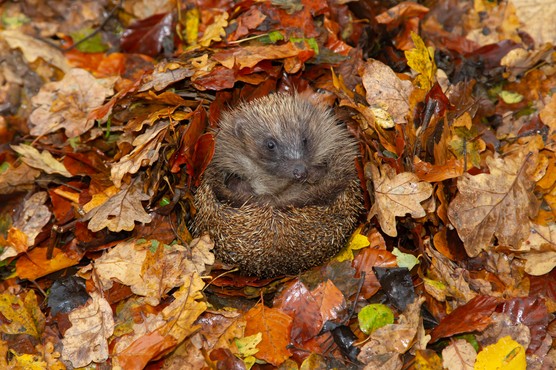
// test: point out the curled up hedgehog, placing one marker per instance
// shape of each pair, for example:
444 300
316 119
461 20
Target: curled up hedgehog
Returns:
281 194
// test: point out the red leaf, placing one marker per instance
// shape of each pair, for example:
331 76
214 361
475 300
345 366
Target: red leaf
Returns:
472 316
148 35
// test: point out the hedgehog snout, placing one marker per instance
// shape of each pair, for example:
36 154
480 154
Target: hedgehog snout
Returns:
299 171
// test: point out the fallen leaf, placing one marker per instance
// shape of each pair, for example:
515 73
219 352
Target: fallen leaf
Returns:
215 30
42 161
86 341
421 60
275 327
21 314
120 212
34 216
66 104
504 354
496 204
33 49
146 151
459 355
475 315
386 90
20 178
397 195
392 340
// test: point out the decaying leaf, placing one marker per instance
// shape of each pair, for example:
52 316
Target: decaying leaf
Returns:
153 274
21 314
20 178
86 340
397 195
120 212
497 204
390 341
66 104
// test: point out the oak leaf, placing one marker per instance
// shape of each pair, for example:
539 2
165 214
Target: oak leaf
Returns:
86 340
146 151
496 204
120 212
66 104
397 195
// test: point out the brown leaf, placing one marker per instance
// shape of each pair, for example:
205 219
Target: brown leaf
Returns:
496 204
386 91
119 212
20 178
146 151
249 56
42 161
86 340
66 104
472 316
34 216
275 327
397 195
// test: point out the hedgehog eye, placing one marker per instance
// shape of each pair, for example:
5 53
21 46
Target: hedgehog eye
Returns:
304 141
270 144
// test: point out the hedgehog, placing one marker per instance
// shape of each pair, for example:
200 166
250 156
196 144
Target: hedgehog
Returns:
281 194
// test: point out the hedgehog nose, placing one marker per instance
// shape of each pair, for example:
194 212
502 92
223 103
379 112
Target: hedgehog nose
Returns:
299 171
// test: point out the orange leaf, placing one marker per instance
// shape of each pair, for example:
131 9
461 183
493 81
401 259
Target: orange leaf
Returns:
275 327
145 349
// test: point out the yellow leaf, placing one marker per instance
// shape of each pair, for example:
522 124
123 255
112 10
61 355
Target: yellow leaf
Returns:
191 26
215 31
505 354
22 316
357 241
247 346
421 60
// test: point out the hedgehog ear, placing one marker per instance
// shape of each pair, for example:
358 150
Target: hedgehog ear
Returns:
238 129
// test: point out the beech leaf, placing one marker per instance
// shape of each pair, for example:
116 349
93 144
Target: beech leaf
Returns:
275 327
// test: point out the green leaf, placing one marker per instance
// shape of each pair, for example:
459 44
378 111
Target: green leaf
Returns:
94 44
405 259
510 97
374 316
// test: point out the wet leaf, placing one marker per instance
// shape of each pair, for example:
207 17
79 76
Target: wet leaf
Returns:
275 326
